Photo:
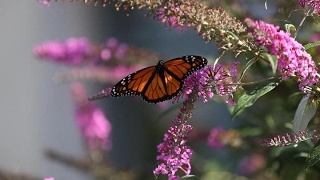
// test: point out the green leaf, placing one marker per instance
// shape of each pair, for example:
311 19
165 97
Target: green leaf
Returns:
251 95
239 92
314 156
189 177
249 63
273 61
305 112
311 45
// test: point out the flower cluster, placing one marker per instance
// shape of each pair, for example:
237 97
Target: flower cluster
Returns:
314 4
174 153
76 51
91 120
209 81
73 51
172 21
293 60
289 140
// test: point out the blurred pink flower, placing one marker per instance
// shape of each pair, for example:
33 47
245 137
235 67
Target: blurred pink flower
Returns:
50 178
214 139
75 51
44 2
91 120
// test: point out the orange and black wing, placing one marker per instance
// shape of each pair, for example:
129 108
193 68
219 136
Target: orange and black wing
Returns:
134 84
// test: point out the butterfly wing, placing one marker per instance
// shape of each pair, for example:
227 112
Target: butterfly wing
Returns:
155 90
134 84
178 69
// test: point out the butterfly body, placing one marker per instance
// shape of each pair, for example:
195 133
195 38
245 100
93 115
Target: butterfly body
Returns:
160 82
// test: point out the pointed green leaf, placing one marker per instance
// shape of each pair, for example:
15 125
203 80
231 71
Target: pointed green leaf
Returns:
305 112
189 177
251 95
249 63
311 45
314 156
239 92
273 61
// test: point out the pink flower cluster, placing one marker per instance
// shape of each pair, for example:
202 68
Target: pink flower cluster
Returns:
91 120
75 51
174 154
207 79
293 60
314 4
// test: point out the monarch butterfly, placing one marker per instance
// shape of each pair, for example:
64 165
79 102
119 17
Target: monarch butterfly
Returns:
160 82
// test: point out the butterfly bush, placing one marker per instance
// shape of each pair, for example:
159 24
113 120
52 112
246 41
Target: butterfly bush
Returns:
293 60
174 153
